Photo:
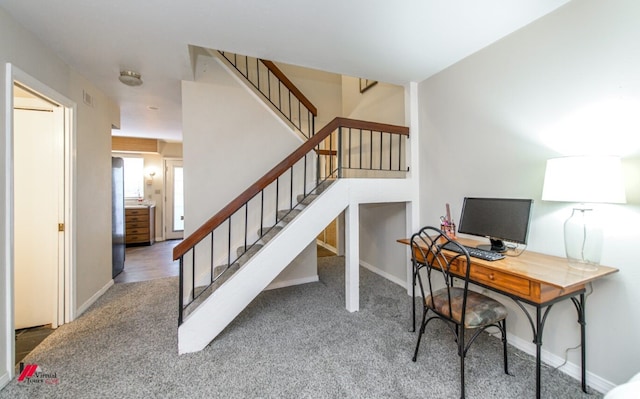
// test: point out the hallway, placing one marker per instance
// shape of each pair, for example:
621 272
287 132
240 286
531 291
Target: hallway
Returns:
149 262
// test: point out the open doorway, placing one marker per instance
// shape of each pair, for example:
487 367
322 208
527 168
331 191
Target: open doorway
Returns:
174 200
40 289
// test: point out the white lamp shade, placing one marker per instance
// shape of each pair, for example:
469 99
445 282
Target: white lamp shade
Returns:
584 179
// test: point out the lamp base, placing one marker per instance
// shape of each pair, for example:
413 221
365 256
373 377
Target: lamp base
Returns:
583 239
584 266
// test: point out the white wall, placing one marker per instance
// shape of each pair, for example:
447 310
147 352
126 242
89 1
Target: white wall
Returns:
323 89
230 140
92 211
380 224
383 103
489 123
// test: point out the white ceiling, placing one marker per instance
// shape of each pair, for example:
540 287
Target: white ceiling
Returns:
395 41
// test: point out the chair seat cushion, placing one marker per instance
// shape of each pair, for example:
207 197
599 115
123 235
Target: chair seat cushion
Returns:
481 310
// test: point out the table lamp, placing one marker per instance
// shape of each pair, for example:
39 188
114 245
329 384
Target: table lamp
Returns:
584 179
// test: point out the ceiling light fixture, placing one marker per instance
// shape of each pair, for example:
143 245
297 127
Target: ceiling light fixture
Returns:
130 78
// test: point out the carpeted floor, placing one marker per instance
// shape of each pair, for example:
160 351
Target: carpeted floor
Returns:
295 342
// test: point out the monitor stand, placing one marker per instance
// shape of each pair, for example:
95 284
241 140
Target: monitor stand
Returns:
496 246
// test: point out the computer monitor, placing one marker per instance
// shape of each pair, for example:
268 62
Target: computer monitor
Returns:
499 219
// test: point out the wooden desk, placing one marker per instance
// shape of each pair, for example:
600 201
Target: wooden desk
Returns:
536 279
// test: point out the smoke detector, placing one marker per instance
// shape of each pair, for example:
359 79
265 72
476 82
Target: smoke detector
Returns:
130 78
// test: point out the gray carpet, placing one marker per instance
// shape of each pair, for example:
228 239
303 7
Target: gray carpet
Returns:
296 342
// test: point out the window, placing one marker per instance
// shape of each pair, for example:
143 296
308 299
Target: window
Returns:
133 177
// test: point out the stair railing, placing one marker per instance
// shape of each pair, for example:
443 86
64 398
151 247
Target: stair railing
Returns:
272 83
342 144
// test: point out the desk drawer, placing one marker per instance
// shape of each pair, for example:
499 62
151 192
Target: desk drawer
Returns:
500 280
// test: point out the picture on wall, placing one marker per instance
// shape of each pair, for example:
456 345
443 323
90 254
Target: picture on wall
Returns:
366 84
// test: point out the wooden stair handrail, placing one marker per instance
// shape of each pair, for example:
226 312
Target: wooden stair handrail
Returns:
217 219
289 84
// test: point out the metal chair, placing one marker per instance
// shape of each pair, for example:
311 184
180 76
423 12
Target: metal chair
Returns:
460 308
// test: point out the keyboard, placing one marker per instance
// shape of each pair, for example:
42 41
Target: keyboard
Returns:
475 252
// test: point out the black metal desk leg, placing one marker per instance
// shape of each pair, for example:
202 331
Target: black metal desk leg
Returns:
538 341
413 297
580 308
536 329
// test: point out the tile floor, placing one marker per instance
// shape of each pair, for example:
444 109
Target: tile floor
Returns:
28 338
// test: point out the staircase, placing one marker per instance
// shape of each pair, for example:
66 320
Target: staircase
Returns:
250 278
238 252
244 254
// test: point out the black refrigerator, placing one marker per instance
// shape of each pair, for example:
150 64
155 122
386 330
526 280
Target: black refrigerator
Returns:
117 215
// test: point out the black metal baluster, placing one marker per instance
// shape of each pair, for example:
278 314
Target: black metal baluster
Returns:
390 151
291 189
318 166
269 84
280 96
258 73
229 244
246 224
181 291
261 211
370 149
331 169
399 152
340 152
277 196
304 181
350 146
361 145
212 277
193 275
381 137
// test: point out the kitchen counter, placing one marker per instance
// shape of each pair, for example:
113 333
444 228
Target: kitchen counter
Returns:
138 205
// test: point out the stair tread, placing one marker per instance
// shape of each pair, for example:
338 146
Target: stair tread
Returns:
271 232
202 292
287 215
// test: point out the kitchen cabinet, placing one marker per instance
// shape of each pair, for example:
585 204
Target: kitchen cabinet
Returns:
140 224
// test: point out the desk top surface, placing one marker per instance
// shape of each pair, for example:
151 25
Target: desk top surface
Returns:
534 266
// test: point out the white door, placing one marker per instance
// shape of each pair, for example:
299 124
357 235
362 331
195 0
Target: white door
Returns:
38 178
174 199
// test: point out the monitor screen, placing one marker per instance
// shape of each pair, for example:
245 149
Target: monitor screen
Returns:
496 218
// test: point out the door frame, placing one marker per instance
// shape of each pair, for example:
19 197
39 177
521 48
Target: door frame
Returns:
167 205
66 274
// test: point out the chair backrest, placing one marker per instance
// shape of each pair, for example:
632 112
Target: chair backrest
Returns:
427 254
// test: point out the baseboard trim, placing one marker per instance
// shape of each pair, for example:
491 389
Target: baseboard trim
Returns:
289 283
384 274
552 360
4 379
94 298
